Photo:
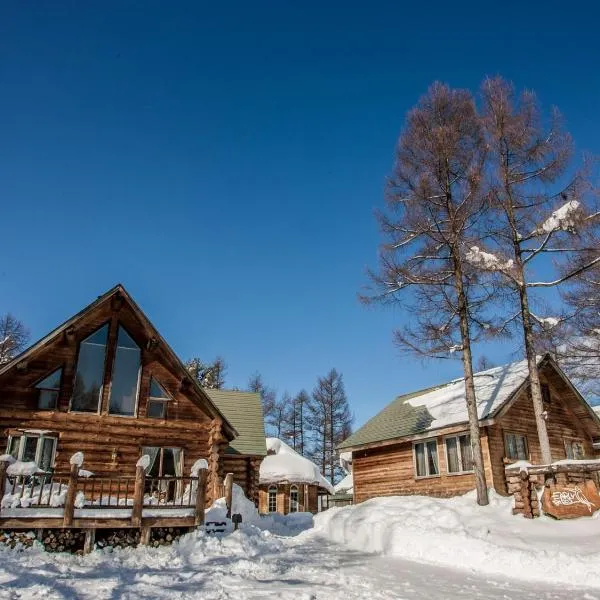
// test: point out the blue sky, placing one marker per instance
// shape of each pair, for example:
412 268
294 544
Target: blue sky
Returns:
223 161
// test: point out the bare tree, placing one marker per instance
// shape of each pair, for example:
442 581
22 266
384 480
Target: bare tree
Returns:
14 337
268 396
295 422
330 421
435 207
528 164
277 419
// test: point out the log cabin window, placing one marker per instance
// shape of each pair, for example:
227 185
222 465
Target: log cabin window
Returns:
164 462
294 499
272 493
157 401
87 389
516 447
48 389
574 450
426 458
459 456
125 376
33 447
546 396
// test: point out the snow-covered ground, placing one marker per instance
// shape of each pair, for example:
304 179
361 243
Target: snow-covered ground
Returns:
412 548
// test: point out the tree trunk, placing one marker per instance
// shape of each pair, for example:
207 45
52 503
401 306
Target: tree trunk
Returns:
471 399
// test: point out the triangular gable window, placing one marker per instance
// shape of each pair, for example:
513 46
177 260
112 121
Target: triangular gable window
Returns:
49 388
157 401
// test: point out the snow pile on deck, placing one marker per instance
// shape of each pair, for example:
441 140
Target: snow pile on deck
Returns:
493 387
457 533
285 464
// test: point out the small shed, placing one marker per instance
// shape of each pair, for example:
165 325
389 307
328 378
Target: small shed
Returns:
289 482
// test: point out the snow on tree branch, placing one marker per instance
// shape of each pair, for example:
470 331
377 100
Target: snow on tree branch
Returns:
562 219
487 260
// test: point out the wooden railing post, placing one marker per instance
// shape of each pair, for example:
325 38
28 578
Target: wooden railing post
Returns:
229 493
3 466
70 497
201 496
138 496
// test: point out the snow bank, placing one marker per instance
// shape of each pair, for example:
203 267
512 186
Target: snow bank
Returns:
285 464
457 533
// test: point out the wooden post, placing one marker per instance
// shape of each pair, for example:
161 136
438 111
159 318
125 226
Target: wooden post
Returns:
90 538
3 466
201 496
145 536
229 493
70 497
138 497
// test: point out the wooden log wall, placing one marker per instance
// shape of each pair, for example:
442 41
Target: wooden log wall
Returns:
245 471
307 498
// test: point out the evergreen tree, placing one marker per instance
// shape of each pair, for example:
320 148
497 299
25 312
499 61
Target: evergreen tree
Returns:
208 375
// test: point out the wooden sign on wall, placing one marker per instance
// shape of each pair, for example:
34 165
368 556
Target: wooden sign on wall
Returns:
571 501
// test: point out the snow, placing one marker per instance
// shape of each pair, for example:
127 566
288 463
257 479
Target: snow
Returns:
487 260
285 464
459 542
493 387
76 459
85 473
345 485
561 219
198 466
143 461
456 533
7 458
23 468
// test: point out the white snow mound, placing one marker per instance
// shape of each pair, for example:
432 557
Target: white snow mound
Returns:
285 464
457 533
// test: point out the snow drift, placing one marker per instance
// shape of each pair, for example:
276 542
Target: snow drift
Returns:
457 533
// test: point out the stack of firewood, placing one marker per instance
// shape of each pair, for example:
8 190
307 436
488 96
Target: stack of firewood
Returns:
13 539
162 536
117 538
63 540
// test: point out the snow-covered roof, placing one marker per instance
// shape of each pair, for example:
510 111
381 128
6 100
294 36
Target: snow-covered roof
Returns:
441 406
285 464
345 486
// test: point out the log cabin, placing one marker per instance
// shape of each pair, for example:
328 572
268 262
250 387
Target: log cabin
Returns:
106 383
243 455
420 443
290 482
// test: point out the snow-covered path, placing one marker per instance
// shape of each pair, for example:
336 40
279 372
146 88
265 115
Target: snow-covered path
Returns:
304 567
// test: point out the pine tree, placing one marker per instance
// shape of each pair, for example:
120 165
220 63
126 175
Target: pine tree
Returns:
208 375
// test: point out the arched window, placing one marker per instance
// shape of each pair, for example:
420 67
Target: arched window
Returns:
273 498
294 499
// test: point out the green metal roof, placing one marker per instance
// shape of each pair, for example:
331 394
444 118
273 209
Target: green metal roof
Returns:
398 419
244 411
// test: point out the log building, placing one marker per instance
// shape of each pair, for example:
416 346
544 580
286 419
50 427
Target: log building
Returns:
420 444
106 383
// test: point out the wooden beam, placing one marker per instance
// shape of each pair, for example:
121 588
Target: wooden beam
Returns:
70 497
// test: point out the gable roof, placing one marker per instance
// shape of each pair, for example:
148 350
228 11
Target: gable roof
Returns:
120 291
444 405
244 410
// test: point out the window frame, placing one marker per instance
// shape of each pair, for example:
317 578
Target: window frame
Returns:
23 435
272 489
437 452
457 437
58 390
106 363
113 363
568 443
516 433
163 401
546 394
294 489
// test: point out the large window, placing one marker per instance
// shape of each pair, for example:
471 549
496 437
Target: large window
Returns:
294 506
157 401
273 498
426 459
48 390
516 446
87 389
126 374
459 454
164 462
35 448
